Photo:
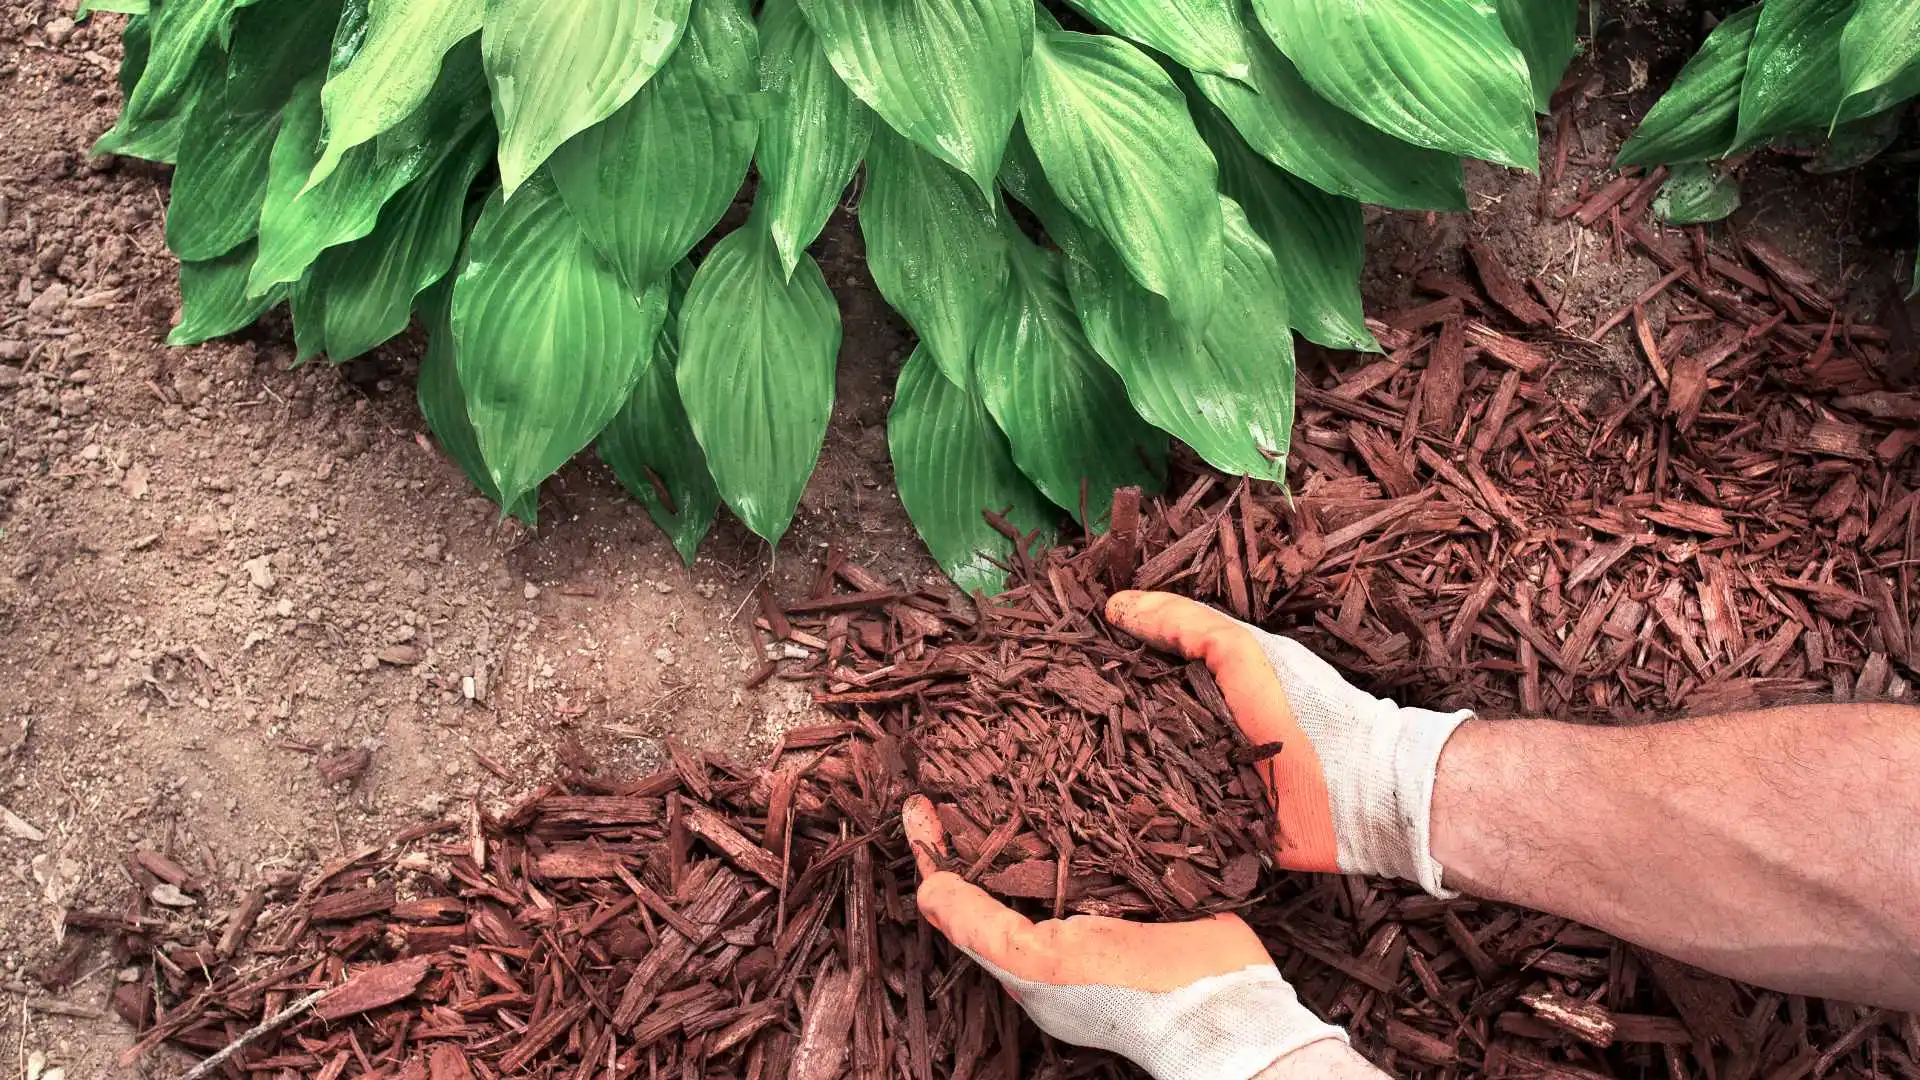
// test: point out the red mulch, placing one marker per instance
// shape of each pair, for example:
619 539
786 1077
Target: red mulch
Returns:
1484 516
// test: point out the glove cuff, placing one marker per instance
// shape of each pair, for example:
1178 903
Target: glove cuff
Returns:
1416 763
1231 1027
1383 802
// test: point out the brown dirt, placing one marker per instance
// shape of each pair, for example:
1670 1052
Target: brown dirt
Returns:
203 553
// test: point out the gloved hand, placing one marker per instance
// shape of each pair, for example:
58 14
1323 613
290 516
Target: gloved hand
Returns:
1353 781
1188 1001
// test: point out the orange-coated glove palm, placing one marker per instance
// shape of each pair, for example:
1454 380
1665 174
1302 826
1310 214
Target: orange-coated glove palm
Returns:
1353 781
1189 1001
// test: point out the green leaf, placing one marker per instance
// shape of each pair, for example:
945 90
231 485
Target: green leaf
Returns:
1064 410
558 67
549 341
757 352
1695 193
946 74
1437 73
393 69
1284 121
122 7
1697 118
1880 47
1319 240
184 55
657 175
1119 148
214 300
651 448
365 289
276 44
220 180
444 404
1227 392
934 250
155 129
952 464
813 135
1545 33
1793 80
300 219
1202 35
1856 142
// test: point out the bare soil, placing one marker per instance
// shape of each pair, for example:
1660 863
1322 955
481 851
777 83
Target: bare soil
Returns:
217 569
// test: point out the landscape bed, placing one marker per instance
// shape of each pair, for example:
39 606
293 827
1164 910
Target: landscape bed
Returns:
721 920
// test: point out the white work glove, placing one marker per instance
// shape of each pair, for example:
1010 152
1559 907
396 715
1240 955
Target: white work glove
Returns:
1352 784
1184 1001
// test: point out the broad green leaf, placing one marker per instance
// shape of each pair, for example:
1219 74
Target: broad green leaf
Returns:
187 37
651 448
1880 47
1226 392
952 464
121 7
1437 73
214 300
135 42
444 404
1022 178
1792 80
1696 193
549 340
220 181
813 135
656 176
1317 238
1064 411
1856 142
1545 33
1284 121
934 250
394 69
1697 118
366 288
276 44
155 130
1119 148
300 219
946 74
1201 35
558 67
1887 96
757 352
307 307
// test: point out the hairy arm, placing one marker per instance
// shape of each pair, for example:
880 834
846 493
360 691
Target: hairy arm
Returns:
1780 847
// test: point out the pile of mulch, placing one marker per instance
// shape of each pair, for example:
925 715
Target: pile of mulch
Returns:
1490 514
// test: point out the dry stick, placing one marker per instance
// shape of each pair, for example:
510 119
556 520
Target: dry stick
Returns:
206 1067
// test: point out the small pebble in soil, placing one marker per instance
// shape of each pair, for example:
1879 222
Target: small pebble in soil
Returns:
532 591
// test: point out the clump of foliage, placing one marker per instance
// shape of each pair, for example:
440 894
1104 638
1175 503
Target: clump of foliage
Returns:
1838 74
529 178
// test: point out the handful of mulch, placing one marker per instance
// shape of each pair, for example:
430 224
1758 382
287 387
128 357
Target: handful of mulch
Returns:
1087 774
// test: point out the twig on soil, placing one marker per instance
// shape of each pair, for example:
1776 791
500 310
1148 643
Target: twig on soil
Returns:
207 1067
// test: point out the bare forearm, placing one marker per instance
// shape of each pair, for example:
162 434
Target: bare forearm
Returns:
1779 847
1328 1059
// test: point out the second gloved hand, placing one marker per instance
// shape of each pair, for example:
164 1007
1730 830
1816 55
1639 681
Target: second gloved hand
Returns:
1353 782
1187 1001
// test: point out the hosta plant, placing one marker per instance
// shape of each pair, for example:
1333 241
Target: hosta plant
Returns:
1836 74
1104 220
